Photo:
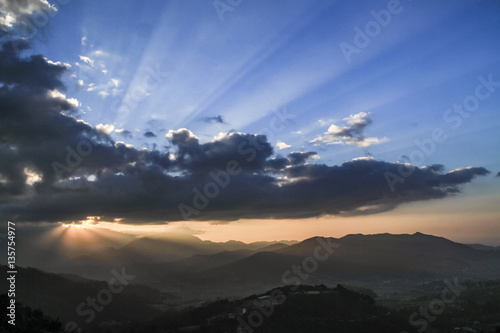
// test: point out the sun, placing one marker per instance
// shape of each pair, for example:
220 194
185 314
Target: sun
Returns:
89 223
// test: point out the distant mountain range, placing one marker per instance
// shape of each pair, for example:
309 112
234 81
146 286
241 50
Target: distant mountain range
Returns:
197 268
175 247
484 247
182 271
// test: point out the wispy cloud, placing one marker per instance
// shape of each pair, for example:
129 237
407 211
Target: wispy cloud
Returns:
215 119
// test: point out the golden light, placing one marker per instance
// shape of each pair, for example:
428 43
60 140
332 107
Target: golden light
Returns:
82 237
32 176
90 222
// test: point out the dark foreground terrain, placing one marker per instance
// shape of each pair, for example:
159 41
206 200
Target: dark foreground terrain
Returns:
357 283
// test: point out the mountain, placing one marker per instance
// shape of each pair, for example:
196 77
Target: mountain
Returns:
484 247
28 320
67 299
164 249
365 260
199 269
202 262
174 248
390 256
287 309
273 247
46 247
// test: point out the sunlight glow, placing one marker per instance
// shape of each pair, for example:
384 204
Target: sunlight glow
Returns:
32 176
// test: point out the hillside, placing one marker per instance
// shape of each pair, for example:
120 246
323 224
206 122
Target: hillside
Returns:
60 297
287 309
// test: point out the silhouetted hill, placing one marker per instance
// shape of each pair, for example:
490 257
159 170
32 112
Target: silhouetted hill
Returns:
273 247
285 309
200 269
46 247
60 296
27 320
165 249
366 259
484 247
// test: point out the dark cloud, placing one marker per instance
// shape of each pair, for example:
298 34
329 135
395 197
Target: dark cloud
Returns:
54 167
35 72
250 151
498 174
300 157
295 158
216 119
150 134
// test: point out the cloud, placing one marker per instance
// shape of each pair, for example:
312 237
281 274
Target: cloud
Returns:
84 40
281 145
55 167
105 128
215 119
105 89
126 134
34 72
498 174
150 134
293 159
56 94
18 13
87 60
351 134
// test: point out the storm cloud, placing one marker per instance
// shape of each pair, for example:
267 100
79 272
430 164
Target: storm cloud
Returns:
55 167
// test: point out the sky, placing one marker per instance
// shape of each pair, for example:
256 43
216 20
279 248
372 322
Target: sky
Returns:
252 120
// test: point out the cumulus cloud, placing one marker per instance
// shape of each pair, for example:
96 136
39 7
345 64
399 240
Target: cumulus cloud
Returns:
352 133
55 167
18 13
281 145
105 128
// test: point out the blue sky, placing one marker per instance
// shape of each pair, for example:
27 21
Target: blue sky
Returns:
267 56
141 69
